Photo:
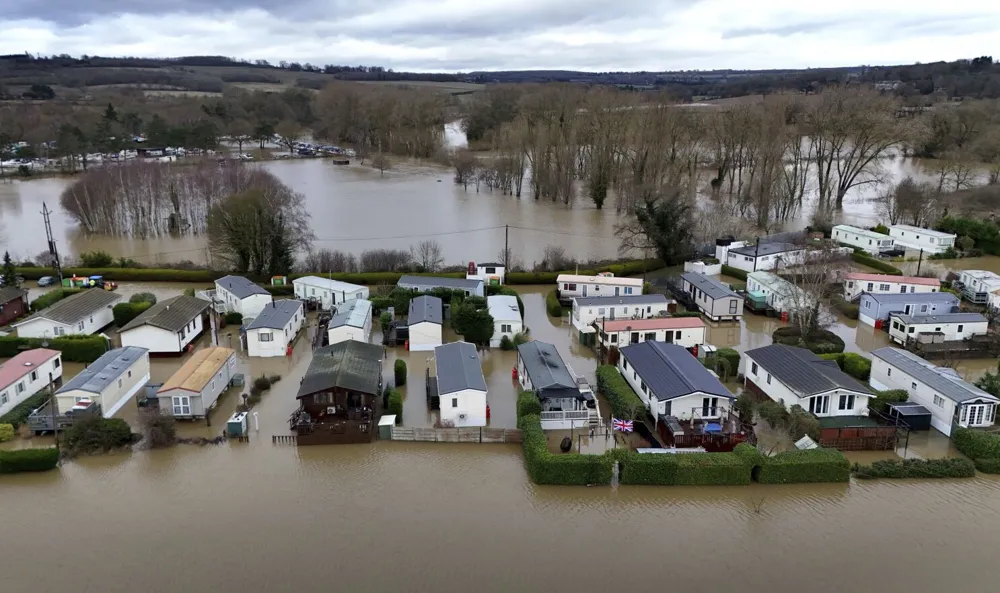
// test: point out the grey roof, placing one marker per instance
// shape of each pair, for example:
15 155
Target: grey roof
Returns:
74 308
424 308
353 313
942 380
670 371
351 364
105 370
428 282
458 368
9 293
916 297
713 288
942 318
240 286
766 248
632 299
490 265
802 371
276 315
172 314
547 371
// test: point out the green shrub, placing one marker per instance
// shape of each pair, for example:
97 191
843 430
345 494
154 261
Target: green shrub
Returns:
528 404
734 273
568 469
52 297
881 228
552 304
853 364
18 415
848 309
988 466
506 343
399 372
7 433
28 460
805 466
624 402
262 383
94 434
396 404
97 259
744 406
880 403
385 319
647 288
820 342
687 469
801 423
773 412
975 444
867 260
380 304
233 318
686 314
126 312
74 348
280 289
143 297
916 468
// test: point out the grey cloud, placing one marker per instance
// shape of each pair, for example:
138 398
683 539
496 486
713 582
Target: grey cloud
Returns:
782 30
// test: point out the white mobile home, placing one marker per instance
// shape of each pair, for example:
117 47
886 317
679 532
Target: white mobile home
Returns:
26 374
716 301
874 308
638 306
780 294
168 327
472 287
353 321
110 381
239 295
272 332
328 293
946 327
912 237
491 273
425 320
567 401
506 316
976 285
672 382
683 331
856 283
765 256
84 313
870 241
570 286
197 385
950 400
460 385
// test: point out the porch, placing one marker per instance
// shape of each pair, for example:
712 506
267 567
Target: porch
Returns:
970 294
210 295
353 425
720 431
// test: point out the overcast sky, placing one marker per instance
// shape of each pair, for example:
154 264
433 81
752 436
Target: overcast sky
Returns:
450 35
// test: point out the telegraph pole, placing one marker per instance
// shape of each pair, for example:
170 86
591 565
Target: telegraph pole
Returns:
506 245
52 243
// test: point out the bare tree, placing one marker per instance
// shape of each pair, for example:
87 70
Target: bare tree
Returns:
427 255
464 163
383 260
808 286
290 132
556 259
908 202
510 261
329 261
381 161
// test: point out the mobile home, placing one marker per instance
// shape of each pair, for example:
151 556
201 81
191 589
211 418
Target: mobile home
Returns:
326 292
168 327
856 283
460 384
874 308
506 316
275 328
110 381
570 286
425 321
84 313
946 327
716 301
352 321
870 241
27 373
912 237
196 386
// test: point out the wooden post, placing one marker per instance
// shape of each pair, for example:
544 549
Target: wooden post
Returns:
52 405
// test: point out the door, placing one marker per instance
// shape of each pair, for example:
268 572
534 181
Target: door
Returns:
612 315
584 290
634 338
710 407
974 415
668 337
906 310
616 290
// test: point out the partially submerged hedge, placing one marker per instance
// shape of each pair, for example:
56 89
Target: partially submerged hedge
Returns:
871 262
28 460
126 312
569 469
916 468
552 305
684 469
399 372
396 404
805 466
982 447
528 404
734 273
624 402
7 432
74 348
880 403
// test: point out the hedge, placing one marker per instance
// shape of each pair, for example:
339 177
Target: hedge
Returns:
848 309
126 312
867 260
975 444
74 348
552 304
916 468
624 402
399 372
880 403
731 356
396 404
824 342
380 304
280 289
52 297
7 433
233 318
988 466
28 460
805 466
18 415
686 314
528 404
569 469
687 469
853 364
629 268
95 434
734 273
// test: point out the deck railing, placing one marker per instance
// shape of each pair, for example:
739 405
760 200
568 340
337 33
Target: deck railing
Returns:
572 415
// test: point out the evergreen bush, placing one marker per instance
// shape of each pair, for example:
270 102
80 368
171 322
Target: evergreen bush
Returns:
7 433
399 372
396 404
916 468
28 460
552 305
805 466
734 273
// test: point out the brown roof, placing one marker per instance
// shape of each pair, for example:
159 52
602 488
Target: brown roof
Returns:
198 370
9 293
172 314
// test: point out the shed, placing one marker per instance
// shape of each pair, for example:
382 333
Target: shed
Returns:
110 381
506 316
460 385
196 386
913 414
425 321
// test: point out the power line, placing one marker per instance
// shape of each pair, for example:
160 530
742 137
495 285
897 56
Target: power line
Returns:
437 234
554 232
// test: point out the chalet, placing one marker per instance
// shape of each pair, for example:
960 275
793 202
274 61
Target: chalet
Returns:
83 313
352 321
460 385
168 327
951 400
716 301
874 309
916 238
491 273
856 283
869 241
239 295
945 327
425 321
326 292
571 286
637 306
687 332
192 391
110 381
13 304
339 395
976 285
274 329
472 287
506 316
765 256
567 401
795 376
27 373
691 406
771 290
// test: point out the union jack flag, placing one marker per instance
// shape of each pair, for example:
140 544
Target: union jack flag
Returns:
622 425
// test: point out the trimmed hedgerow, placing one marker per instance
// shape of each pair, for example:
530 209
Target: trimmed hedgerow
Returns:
280 289
28 460
399 372
624 402
916 468
805 466
126 312
684 469
569 469
871 262
734 273
853 364
18 415
880 403
988 466
396 404
52 297
74 348
552 305
975 444
528 404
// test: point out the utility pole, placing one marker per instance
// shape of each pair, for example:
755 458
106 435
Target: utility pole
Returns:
506 245
52 243
920 260
52 409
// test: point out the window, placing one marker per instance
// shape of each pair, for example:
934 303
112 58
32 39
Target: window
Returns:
677 335
34 374
710 407
600 310
819 404
649 309
902 289
871 285
571 287
923 308
769 378
614 338
910 331
960 327
642 386
181 405
667 407
130 374
888 372
937 329
80 326
753 368
628 290
846 402
850 285
56 363
868 304
491 270
454 402
938 401
869 241
119 383
312 291
913 386
20 387
265 337
883 287
182 333
3 398
624 364
732 306
505 328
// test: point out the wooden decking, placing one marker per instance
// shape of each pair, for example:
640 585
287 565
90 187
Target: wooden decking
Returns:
457 435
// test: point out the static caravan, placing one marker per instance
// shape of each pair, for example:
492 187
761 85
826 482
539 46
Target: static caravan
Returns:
946 327
976 285
461 387
780 294
856 283
716 301
951 400
570 286
274 329
567 401
26 374
874 308
168 327
352 321
506 316
328 293
637 306
916 238
196 386
425 320
491 273
239 295
110 381
870 241
84 313
473 287
683 331
765 256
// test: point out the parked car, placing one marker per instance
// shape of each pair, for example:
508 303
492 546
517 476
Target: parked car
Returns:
47 281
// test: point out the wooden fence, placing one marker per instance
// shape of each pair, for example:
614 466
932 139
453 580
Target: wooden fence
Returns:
457 435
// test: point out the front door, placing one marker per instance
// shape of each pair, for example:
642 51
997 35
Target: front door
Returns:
668 337
612 315
906 310
974 415
617 288
634 338
584 290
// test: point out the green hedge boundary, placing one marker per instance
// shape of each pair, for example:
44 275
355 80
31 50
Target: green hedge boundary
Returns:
396 404
73 348
623 399
528 404
552 305
867 260
734 273
804 467
52 297
18 415
562 470
687 469
28 460
982 447
916 468
853 364
399 372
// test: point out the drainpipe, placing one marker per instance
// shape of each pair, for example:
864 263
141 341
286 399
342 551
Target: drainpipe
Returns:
756 252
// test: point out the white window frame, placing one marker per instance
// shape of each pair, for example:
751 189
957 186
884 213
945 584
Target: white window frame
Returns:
181 405
265 336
